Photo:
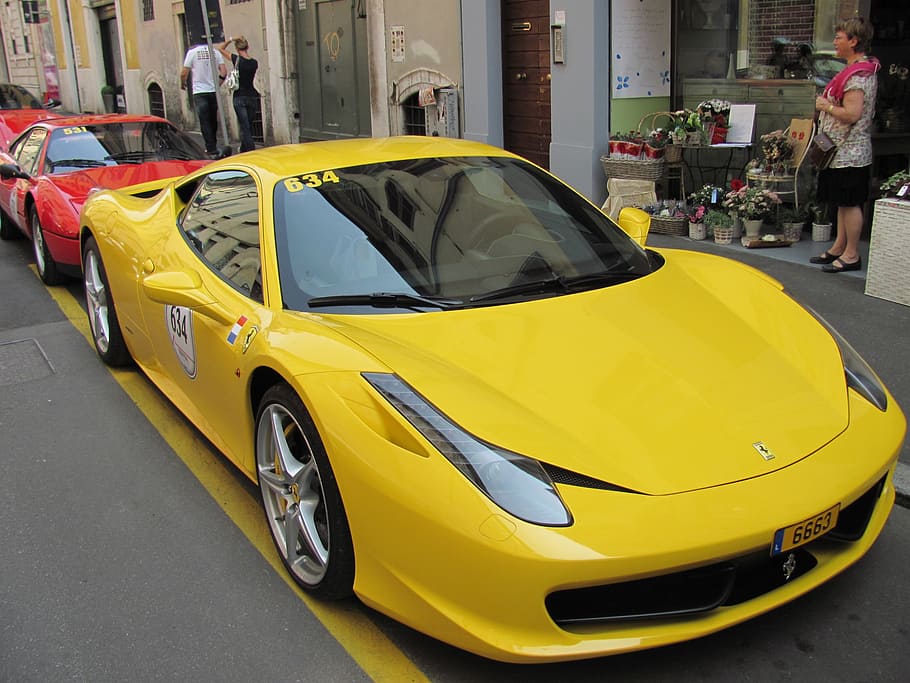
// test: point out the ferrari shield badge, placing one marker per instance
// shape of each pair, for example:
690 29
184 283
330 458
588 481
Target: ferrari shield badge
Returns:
179 321
763 450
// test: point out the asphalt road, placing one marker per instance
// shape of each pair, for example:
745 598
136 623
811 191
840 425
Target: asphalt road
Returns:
130 550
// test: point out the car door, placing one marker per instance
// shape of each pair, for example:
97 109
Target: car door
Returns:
202 301
25 152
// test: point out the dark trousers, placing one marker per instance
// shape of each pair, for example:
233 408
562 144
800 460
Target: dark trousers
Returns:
245 108
207 112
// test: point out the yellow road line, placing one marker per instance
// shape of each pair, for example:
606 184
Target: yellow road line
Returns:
368 646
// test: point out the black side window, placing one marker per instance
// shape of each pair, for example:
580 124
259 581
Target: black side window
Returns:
222 223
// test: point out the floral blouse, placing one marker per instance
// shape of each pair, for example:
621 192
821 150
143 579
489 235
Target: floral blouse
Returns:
854 142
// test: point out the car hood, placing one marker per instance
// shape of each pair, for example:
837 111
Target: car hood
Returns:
78 184
673 382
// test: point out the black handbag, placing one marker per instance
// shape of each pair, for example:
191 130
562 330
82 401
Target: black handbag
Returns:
821 150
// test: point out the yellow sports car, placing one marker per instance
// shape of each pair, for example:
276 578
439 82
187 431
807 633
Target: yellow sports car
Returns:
476 403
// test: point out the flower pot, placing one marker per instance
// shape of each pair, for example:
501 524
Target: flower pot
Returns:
793 231
649 152
723 235
697 231
821 232
752 226
737 227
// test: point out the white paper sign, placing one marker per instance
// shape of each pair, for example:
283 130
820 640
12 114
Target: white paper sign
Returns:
742 120
641 48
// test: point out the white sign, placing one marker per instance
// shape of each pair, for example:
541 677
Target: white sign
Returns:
179 321
641 48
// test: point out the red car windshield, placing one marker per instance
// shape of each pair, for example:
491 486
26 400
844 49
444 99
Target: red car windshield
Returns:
110 144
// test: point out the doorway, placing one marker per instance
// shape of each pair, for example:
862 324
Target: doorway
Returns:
526 79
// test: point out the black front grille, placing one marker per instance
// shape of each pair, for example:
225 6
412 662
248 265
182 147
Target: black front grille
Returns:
703 589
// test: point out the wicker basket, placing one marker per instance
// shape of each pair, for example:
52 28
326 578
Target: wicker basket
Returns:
644 169
792 231
723 235
669 225
821 232
697 231
887 276
674 153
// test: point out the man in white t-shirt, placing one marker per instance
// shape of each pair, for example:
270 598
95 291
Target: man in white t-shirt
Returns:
198 62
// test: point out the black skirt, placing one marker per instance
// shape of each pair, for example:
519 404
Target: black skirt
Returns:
847 186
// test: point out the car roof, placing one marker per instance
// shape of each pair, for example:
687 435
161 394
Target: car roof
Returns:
98 119
284 160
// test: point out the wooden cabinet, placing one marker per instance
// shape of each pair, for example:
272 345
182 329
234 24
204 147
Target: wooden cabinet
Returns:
776 101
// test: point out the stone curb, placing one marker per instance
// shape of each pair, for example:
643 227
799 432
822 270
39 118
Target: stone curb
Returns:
902 484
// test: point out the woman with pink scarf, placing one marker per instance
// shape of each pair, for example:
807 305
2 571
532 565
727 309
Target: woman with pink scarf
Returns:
846 108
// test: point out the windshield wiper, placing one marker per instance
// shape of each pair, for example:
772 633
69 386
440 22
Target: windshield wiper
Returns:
557 284
384 300
132 157
77 163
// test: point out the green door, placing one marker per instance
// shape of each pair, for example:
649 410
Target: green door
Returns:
332 61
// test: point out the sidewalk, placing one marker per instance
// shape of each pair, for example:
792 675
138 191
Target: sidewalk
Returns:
877 329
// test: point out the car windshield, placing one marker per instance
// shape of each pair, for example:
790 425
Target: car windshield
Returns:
78 147
441 233
16 97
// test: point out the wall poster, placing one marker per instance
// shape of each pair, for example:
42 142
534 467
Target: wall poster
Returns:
640 48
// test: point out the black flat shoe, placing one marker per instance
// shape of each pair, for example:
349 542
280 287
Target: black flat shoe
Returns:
838 266
824 258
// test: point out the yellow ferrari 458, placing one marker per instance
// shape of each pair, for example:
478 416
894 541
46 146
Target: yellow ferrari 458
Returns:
479 405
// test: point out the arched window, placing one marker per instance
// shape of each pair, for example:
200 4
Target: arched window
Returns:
156 100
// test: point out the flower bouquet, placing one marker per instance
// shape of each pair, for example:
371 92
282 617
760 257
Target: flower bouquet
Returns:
777 150
751 203
716 116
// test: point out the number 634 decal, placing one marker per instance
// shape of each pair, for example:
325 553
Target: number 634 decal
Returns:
310 180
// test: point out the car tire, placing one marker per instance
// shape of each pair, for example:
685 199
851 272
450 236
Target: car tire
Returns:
99 305
8 230
47 267
301 498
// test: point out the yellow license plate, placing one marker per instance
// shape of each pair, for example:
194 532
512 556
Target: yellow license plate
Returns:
805 531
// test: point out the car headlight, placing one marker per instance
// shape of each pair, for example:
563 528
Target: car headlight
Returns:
860 376
517 484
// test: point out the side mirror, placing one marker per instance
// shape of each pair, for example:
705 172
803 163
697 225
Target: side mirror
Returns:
10 171
635 223
184 288
51 103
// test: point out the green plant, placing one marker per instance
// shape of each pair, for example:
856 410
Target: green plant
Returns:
718 219
819 212
894 183
790 214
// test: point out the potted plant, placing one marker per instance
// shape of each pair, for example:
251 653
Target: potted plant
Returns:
792 221
753 205
777 151
655 144
696 214
688 127
721 225
107 96
821 224
626 145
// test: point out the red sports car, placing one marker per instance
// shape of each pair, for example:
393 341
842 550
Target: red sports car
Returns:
18 109
51 168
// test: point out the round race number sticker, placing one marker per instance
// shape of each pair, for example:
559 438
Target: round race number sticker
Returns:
179 321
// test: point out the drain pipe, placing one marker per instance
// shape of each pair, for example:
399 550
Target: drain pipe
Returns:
69 31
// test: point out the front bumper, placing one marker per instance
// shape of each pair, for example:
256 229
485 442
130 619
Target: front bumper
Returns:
437 555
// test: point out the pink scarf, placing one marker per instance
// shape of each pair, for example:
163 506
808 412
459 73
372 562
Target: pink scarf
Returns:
835 89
